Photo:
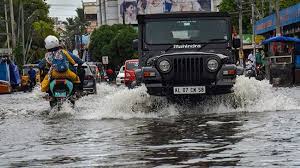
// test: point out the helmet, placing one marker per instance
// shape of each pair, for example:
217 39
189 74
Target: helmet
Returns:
51 42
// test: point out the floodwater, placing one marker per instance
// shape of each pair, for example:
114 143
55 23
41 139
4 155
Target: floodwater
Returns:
257 126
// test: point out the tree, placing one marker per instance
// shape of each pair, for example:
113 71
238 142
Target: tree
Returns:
35 11
75 26
114 41
231 7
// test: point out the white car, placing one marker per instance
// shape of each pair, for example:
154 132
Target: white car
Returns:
120 76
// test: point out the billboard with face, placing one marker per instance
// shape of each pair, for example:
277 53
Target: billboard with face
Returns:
128 9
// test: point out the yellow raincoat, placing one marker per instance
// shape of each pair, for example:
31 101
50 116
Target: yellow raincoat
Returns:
60 75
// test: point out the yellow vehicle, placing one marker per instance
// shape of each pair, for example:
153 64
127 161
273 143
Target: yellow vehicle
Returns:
25 77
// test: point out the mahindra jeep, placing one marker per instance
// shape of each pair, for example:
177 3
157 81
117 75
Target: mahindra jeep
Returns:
186 53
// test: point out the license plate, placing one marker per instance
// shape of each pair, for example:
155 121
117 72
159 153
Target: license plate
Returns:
60 94
190 90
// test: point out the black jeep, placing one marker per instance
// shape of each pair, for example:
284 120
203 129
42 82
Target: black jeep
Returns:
186 53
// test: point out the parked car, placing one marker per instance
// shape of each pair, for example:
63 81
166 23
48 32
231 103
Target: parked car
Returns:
130 67
120 76
89 83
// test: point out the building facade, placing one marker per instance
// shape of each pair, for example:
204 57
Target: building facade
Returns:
90 14
289 23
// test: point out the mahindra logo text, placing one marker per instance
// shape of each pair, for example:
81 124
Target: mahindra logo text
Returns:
187 46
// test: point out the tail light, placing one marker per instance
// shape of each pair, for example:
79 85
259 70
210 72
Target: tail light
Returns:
89 77
229 72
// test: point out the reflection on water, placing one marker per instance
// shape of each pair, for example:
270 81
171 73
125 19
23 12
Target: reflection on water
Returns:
256 126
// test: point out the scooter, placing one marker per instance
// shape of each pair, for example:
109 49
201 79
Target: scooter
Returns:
250 70
260 72
60 91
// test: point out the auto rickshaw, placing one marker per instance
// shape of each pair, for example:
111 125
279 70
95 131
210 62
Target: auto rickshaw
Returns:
25 84
283 60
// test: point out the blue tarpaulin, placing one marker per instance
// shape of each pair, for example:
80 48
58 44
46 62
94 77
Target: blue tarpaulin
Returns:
14 74
4 71
281 39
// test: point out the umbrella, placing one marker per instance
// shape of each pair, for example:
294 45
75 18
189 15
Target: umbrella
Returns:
281 39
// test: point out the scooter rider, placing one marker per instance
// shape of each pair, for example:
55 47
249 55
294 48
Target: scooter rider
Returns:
59 60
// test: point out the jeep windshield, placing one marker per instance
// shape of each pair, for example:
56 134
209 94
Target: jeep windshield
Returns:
186 31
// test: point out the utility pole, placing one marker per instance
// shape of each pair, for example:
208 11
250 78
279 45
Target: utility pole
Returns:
6 25
23 34
278 29
270 7
253 28
12 20
104 8
123 13
241 53
99 19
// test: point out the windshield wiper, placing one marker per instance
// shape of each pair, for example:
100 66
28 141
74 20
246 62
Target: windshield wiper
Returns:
217 39
210 40
183 41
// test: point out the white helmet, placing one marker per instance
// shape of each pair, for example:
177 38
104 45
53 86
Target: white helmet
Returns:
51 42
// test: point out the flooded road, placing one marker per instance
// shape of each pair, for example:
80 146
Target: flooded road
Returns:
257 126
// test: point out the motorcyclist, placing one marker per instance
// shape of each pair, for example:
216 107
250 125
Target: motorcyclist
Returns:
60 62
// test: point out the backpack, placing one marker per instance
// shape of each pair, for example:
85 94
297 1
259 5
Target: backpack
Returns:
60 62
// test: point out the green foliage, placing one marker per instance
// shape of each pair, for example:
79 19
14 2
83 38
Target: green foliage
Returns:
114 41
75 26
263 7
37 25
287 3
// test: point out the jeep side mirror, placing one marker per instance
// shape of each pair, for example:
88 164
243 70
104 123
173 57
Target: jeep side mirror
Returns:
236 43
135 44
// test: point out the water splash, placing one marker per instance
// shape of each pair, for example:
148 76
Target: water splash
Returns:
123 103
249 95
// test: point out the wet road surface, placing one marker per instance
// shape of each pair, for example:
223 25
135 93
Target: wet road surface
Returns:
257 126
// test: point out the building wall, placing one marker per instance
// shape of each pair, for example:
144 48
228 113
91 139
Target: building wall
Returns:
215 4
90 13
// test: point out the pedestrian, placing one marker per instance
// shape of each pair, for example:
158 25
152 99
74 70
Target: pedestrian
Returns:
32 77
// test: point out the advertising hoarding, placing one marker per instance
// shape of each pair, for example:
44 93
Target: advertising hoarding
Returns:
129 9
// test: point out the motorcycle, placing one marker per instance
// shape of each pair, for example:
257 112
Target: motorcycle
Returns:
60 91
257 72
250 70
260 72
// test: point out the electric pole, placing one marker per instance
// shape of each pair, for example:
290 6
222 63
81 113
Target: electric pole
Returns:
104 8
270 7
6 25
12 20
241 53
253 28
278 29
23 34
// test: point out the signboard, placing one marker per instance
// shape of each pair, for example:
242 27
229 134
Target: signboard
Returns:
105 60
287 16
247 39
128 9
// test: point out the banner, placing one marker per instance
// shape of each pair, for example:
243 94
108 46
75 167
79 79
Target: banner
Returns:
129 9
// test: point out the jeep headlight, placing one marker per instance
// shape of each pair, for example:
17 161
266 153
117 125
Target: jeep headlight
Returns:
164 66
212 65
